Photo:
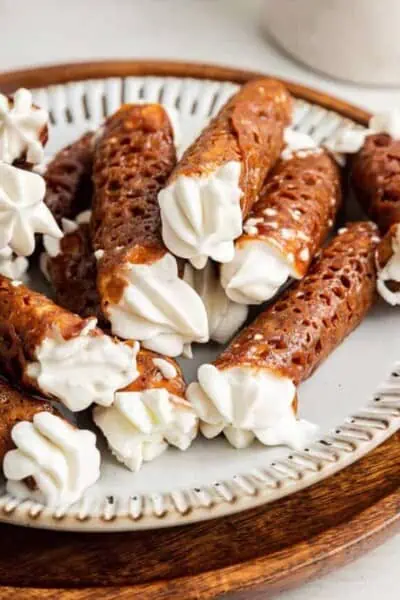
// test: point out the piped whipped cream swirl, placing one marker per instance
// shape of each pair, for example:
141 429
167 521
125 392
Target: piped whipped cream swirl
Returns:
85 369
298 143
224 316
21 124
201 216
61 460
350 141
139 426
158 308
14 267
22 210
390 272
256 273
245 403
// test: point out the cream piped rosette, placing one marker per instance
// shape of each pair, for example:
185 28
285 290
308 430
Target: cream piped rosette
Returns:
23 129
216 182
141 292
250 391
150 414
44 458
287 225
58 353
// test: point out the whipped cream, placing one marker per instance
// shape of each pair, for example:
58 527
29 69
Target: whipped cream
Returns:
52 246
246 403
20 126
350 141
391 272
386 122
201 216
224 316
22 210
85 369
44 265
62 460
295 142
167 369
158 308
140 425
256 272
12 266
83 217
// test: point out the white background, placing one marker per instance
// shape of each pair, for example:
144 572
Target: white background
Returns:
225 31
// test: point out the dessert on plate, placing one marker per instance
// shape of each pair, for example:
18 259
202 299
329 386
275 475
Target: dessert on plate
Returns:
149 414
375 176
43 456
287 225
250 391
149 256
59 354
142 295
217 181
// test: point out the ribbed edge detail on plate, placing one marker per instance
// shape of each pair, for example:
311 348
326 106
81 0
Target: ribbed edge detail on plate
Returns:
84 105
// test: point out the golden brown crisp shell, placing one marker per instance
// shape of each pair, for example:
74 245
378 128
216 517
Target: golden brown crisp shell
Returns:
26 318
248 129
375 177
68 179
302 197
133 160
73 274
313 317
16 406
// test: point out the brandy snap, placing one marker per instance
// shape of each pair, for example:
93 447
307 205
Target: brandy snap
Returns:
388 266
59 354
218 179
141 292
375 176
23 129
150 414
68 178
71 267
250 391
285 227
44 458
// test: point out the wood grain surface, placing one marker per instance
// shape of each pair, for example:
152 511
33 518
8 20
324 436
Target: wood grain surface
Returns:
245 556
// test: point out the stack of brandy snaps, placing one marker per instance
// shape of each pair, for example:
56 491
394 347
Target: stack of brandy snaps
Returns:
148 255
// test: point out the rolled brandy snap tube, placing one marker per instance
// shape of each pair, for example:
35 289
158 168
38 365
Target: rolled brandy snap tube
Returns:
23 129
375 176
59 354
388 266
251 389
218 179
150 414
142 295
71 267
44 458
286 227
68 177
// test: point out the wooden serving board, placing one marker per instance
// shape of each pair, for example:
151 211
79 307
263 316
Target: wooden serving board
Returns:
245 555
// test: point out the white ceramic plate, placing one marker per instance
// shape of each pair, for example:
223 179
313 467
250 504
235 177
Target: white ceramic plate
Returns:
346 397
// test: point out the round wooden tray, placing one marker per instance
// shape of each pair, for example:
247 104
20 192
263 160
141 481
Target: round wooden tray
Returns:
270 548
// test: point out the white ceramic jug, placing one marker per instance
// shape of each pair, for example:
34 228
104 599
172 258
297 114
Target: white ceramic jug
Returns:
357 40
